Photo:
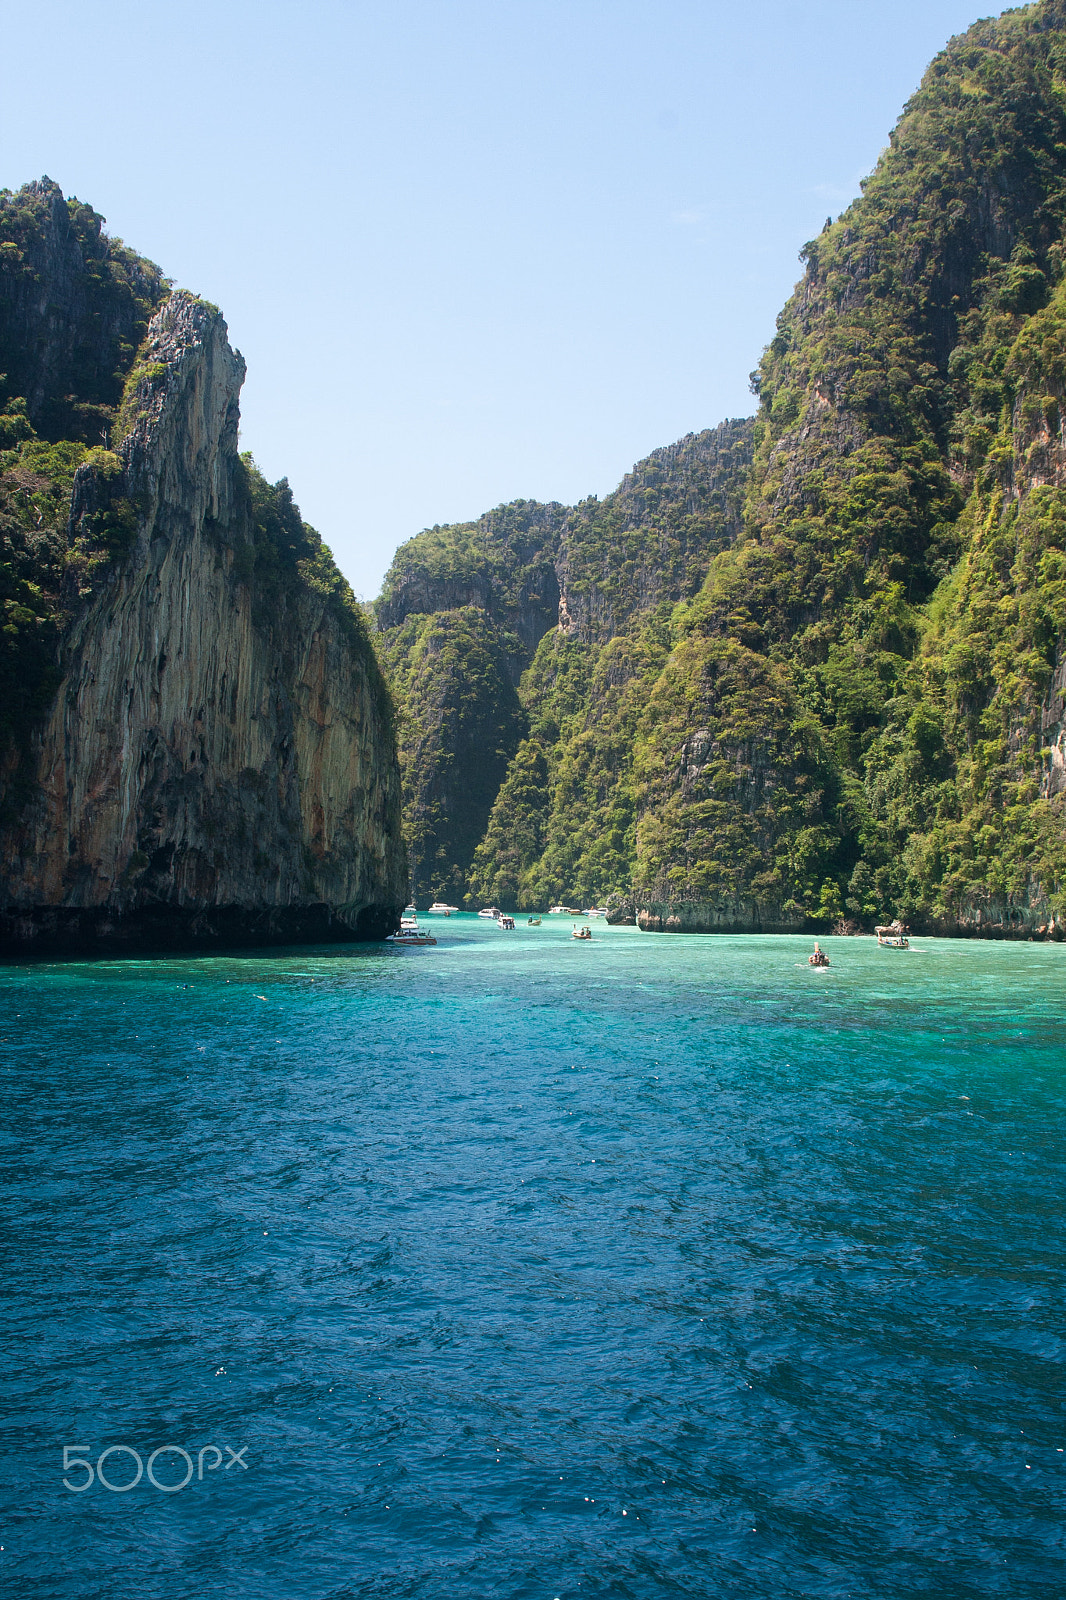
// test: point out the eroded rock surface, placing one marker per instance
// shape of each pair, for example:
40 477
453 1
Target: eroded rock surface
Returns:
218 764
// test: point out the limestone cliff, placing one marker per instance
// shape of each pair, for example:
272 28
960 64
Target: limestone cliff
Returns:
555 603
811 668
463 610
218 762
894 611
74 306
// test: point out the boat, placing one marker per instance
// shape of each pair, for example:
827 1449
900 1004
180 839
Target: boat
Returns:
818 957
490 911
409 910
408 936
504 921
408 922
894 936
596 911
582 933
558 911
533 922
438 908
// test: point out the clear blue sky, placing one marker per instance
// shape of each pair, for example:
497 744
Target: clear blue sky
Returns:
471 251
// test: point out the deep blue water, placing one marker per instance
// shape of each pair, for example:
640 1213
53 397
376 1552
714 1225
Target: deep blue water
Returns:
517 1267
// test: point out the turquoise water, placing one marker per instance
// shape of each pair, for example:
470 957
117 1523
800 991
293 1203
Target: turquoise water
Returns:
521 1267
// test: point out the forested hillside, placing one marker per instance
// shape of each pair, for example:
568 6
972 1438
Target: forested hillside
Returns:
813 667
494 691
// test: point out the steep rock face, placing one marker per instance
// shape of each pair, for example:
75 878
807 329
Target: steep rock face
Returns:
902 561
1002 917
503 565
718 916
654 536
1053 730
462 723
809 668
625 562
461 614
563 597
74 306
736 786
218 763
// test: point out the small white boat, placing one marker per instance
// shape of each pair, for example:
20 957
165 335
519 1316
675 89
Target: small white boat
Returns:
596 911
490 911
558 911
504 921
438 908
410 936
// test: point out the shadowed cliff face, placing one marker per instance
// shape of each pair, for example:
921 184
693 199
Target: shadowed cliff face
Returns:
74 306
560 601
218 763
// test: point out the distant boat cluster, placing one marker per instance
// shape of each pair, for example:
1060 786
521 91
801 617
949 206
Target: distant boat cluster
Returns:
439 908
891 936
410 933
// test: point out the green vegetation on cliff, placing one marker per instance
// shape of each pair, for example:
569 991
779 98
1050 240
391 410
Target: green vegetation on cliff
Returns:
455 747
616 564
819 670
460 617
76 371
74 306
908 420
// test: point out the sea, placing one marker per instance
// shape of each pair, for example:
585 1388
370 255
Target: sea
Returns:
517 1266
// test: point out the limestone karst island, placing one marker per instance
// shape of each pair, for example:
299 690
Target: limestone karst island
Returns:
805 670
547 1083
199 744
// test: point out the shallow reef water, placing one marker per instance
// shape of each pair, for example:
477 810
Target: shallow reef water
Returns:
524 1267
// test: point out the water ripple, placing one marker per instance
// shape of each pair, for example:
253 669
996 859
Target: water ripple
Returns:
661 1266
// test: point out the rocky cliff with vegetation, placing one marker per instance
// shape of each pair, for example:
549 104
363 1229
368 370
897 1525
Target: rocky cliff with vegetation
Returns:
521 648
196 743
812 668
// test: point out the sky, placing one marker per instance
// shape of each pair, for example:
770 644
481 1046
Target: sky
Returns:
471 250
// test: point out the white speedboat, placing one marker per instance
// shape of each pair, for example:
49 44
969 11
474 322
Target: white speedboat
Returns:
596 911
438 908
490 911
410 936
